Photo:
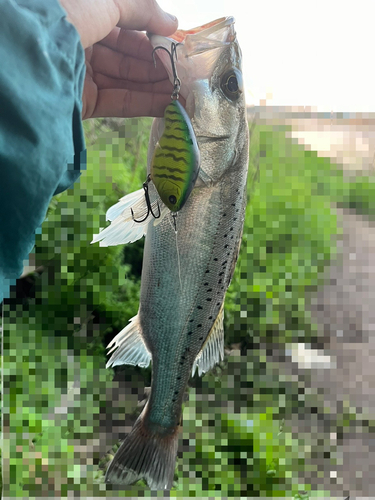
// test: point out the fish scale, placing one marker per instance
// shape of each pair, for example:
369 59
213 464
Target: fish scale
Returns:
193 299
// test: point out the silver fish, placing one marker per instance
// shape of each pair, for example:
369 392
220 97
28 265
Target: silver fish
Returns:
185 273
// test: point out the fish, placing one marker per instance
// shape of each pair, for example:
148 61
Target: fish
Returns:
186 268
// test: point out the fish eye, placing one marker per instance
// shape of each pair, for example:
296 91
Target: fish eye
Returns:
231 84
172 200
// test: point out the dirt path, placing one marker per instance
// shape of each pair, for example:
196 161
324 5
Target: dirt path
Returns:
345 310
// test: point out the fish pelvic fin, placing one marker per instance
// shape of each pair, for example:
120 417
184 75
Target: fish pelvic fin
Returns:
213 349
123 228
129 347
147 454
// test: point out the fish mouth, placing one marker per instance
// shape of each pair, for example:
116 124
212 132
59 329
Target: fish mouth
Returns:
197 50
212 31
215 34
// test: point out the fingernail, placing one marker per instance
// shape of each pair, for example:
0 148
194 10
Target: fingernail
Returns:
174 18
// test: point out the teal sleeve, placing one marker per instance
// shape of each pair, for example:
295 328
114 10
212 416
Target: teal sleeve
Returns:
42 146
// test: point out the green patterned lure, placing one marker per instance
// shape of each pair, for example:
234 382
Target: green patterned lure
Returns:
175 163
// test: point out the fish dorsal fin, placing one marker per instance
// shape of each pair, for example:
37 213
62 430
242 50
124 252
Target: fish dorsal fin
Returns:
213 349
129 347
124 229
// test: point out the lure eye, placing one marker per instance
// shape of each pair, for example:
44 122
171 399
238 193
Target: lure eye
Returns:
172 200
231 84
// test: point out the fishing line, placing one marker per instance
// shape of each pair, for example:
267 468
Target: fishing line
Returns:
174 215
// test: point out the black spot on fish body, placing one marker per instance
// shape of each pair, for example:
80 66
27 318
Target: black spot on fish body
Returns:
207 271
208 299
200 338
209 290
198 326
199 307
189 333
210 317
221 274
215 259
225 261
205 284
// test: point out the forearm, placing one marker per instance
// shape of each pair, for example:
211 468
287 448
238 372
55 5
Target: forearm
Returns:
93 19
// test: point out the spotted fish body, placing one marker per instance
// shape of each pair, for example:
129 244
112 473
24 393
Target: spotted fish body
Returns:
179 325
175 163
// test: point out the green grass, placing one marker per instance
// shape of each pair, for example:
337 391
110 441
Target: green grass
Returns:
289 237
86 294
360 196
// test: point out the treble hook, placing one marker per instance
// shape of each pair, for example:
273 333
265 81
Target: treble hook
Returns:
148 203
173 55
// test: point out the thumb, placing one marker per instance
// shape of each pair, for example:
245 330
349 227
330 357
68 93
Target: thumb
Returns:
146 15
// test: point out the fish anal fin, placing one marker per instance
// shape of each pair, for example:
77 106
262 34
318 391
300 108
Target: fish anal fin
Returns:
213 348
129 346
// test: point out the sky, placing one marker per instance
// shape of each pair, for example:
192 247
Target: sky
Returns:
298 53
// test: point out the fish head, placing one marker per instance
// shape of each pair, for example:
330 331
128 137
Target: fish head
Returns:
208 65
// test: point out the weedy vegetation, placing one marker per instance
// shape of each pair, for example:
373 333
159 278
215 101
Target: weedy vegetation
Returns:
63 410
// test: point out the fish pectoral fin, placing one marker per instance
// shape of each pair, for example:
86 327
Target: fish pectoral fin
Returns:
124 227
213 349
129 347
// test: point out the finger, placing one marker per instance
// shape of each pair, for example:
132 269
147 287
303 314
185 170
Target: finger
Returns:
106 82
116 65
124 103
146 15
129 42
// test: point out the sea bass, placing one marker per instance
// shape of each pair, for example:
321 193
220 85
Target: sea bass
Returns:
187 266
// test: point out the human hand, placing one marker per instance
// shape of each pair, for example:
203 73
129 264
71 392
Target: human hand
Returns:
121 79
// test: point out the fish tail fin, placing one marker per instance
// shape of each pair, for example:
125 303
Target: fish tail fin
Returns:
124 215
145 454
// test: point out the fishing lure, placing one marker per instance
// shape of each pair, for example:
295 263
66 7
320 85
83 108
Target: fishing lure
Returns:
176 159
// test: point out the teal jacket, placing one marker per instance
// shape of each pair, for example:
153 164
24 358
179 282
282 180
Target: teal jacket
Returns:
42 146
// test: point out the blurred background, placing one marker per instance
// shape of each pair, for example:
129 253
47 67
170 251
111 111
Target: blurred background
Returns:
298 53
